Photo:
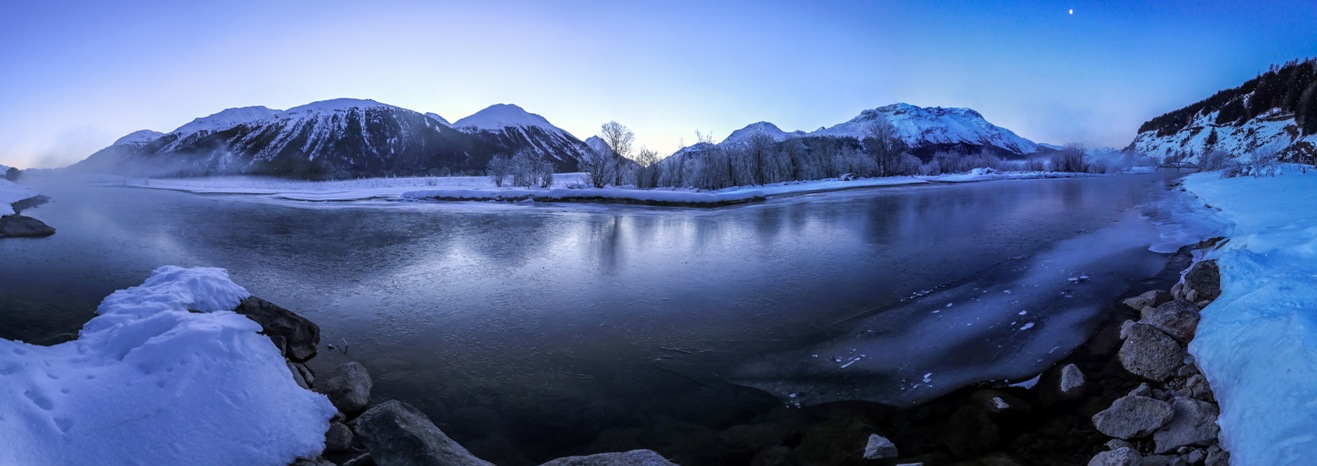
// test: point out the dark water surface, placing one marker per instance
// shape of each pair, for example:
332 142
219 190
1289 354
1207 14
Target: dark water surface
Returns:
532 331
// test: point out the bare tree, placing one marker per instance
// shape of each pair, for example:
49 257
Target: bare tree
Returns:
884 144
498 170
618 137
1070 159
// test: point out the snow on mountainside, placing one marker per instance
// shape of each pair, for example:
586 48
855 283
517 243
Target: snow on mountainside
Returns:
138 137
1277 110
436 117
918 127
499 116
340 138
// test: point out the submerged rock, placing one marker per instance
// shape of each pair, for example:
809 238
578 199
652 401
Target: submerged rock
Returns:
395 433
629 458
349 390
1133 417
1150 353
18 226
299 335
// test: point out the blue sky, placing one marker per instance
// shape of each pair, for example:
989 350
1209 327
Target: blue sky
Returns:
77 75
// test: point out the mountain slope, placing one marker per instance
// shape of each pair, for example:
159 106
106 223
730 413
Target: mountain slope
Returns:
925 130
510 128
1277 110
332 139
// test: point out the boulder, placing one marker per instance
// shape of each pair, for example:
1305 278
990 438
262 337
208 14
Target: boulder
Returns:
1204 279
1194 423
1133 417
1217 457
1123 456
1152 298
297 376
879 448
349 389
338 438
318 461
1179 319
630 458
300 336
396 434
1198 388
1150 353
1071 384
19 226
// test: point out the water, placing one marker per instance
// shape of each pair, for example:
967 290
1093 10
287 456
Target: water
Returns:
527 331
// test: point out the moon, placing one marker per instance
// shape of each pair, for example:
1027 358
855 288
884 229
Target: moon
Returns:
1072 11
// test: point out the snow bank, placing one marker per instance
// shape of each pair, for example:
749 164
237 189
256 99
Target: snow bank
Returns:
1257 343
11 193
149 381
649 196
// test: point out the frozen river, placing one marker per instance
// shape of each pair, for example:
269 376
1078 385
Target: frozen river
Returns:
526 329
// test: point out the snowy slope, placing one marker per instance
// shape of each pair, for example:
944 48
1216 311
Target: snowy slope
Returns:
11 193
225 119
513 128
436 117
138 137
1257 343
918 127
151 381
1274 128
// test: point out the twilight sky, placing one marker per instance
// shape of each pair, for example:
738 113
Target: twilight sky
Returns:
75 76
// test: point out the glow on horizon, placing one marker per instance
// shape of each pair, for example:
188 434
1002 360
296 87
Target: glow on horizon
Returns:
79 76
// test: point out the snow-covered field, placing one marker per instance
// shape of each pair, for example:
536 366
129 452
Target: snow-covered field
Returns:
11 193
566 187
149 382
1257 343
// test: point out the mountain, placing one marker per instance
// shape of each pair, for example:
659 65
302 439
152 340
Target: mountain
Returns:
333 139
509 128
926 130
1276 110
436 117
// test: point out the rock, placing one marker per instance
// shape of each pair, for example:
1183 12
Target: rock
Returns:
306 373
349 390
318 461
1204 278
1152 298
1116 444
1194 424
1123 456
879 448
970 432
1187 371
1125 328
1133 417
1179 319
29 203
19 226
1142 390
1072 383
1149 353
630 458
395 433
297 376
1163 460
995 402
338 438
1217 457
1177 291
1195 456
300 336
1198 388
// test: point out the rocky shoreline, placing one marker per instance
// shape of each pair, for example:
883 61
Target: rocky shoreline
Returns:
1130 396
22 226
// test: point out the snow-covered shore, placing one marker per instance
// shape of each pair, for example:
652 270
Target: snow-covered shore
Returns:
568 187
11 193
1257 343
152 381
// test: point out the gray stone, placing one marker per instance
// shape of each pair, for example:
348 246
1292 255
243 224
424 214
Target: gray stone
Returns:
1198 388
306 373
1072 383
1142 390
1179 319
1125 328
396 434
1204 278
1217 457
1133 417
1163 460
630 458
1116 444
1149 353
300 335
1152 298
349 389
19 226
1195 456
1194 424
297 376
879 448
318 461
338 438
1123 456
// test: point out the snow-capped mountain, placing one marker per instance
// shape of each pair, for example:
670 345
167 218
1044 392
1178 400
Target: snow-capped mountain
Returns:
138 137
512 128
338 138
924 129
1275 111
436 117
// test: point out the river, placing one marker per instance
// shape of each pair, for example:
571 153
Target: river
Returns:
527 331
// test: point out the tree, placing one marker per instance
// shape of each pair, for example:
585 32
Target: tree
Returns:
602 165
498 169
647 174
1070 159
883 143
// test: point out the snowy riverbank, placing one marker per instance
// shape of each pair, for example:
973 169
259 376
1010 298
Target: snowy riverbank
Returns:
567 187
1257 343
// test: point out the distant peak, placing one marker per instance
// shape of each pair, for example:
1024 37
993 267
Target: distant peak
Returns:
337 105
436 117
139 137
499 116
227 118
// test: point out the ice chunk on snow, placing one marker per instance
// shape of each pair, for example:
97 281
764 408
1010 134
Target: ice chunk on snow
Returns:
150 382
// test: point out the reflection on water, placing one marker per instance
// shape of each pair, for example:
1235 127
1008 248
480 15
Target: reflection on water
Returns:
524 328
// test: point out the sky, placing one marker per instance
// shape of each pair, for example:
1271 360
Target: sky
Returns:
75 76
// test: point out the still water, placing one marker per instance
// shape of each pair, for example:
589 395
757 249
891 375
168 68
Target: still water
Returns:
529 330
